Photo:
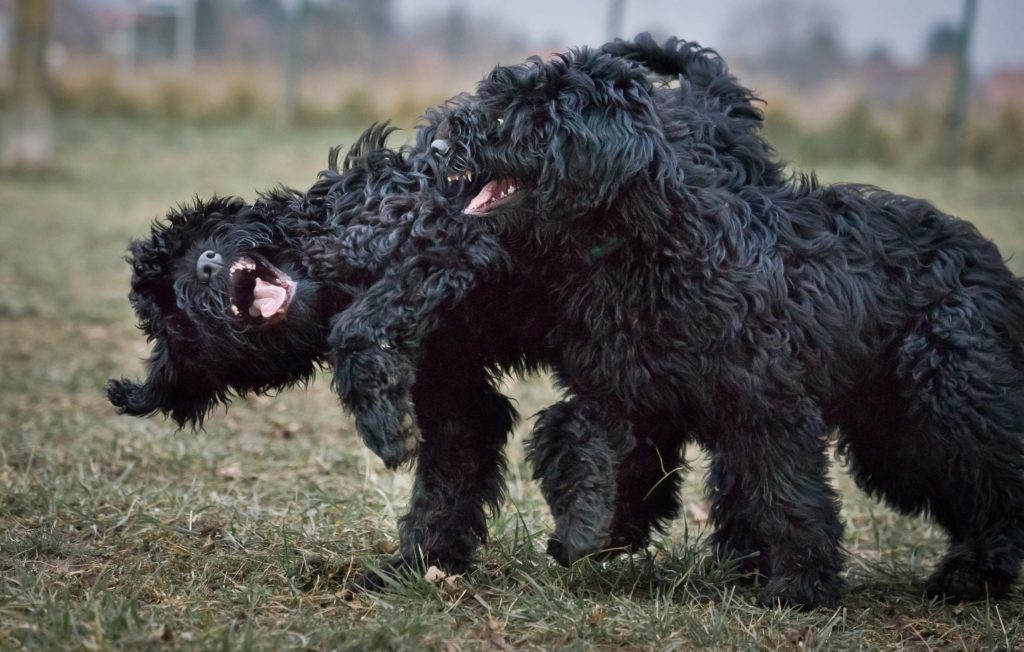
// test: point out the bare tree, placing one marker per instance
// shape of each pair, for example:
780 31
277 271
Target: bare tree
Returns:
30 130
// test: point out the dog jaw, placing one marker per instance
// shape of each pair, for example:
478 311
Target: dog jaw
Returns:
265 289
495 194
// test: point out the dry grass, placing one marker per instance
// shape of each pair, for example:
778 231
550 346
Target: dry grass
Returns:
118 533
227 93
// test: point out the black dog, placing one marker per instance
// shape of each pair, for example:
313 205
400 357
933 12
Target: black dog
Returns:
699 289
378 340
227 292
240 298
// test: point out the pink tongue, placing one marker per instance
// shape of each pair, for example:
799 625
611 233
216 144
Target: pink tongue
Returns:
267 298
483 197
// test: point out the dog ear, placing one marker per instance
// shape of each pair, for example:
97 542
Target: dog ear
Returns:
611 128
184 397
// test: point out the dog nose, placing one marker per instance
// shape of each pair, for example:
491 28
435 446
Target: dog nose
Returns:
208 264
440 145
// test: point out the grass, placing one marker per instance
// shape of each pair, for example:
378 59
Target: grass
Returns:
119 533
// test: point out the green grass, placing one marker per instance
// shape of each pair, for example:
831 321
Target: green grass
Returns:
119 533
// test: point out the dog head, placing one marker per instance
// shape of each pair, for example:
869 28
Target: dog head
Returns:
220 289
559 138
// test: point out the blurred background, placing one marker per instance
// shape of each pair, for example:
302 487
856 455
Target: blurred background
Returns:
120 533
895 83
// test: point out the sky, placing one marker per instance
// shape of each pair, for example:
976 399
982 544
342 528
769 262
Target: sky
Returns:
901 26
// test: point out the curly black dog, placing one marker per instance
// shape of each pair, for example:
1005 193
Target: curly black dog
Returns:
378 340
227 291
701 291
239 298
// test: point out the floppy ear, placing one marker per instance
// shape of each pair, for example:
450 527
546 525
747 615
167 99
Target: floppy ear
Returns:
187 400
612 133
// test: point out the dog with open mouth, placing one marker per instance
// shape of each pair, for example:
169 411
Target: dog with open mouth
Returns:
703 292
575 448
239 298
242 298
609 482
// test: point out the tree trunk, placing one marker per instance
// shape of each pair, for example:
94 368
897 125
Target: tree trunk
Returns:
30 131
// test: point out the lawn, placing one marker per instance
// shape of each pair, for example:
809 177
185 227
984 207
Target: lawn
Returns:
120 533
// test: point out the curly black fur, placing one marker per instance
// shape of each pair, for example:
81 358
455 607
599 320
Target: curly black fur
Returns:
342 243
378 340
701 293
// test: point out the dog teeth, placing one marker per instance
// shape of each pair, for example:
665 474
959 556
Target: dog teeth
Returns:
242 264
234 310
469 176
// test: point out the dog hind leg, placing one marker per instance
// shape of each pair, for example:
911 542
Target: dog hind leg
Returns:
573 458
732 539
648 481
951 445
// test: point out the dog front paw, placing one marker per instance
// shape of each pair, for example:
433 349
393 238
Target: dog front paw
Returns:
377 580
802 593
375 383
389 429
568 549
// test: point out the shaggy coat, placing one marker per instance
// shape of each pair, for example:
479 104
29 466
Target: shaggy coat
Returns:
240 298
701 295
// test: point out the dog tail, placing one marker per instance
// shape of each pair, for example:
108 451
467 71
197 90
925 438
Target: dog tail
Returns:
691 64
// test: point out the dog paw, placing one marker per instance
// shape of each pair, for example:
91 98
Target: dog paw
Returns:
557 552
960 579
376 580
376 385
800 593
567 554
390 431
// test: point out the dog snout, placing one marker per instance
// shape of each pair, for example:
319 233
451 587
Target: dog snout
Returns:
440 145
207 265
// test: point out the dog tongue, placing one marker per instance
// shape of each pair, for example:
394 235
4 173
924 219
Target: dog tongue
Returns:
267 298
484 197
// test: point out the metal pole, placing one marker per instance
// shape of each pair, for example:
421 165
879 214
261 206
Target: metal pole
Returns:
958 105
127 41
616 9
293 62
185 35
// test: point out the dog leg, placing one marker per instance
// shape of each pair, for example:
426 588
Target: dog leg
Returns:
378 340
733 540
782 496
948 442
647 488
574 461
376 343
459 469
376 383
